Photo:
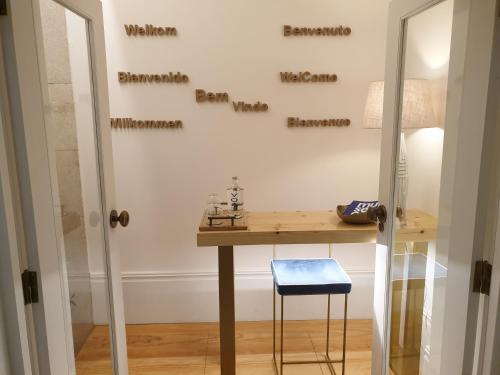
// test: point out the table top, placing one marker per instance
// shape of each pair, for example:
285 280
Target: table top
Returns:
310 227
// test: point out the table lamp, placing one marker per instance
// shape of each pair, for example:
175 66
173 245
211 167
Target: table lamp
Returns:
418 112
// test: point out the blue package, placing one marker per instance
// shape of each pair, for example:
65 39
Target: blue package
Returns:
359 207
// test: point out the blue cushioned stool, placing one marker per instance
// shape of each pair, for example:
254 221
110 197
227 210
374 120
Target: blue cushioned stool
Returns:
298 277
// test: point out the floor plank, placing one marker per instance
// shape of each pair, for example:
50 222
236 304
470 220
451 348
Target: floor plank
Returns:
193 349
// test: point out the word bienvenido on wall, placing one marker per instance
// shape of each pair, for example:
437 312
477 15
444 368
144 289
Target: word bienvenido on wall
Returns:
316 31
127 77
307 77
150 30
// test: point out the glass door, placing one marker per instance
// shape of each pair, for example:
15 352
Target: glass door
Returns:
66 141
72 141
425 246
419 267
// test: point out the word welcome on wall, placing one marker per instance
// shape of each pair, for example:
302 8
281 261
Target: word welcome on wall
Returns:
307 77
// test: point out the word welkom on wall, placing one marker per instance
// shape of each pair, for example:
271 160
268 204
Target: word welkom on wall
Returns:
203 96
150 30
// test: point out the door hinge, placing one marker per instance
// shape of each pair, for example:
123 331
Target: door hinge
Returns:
3 7
482 277
30 287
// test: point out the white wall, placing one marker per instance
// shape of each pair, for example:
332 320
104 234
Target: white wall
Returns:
164 177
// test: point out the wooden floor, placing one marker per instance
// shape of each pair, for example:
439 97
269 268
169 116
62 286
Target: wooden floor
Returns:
193 349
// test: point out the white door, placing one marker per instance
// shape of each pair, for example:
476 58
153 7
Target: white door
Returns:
490 343
436 90
59 101
489 322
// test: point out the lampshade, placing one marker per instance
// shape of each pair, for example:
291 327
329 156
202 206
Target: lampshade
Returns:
418 110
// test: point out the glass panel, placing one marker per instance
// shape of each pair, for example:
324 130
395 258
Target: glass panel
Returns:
419 268
71 135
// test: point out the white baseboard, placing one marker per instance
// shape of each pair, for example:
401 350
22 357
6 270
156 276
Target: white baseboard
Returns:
193 297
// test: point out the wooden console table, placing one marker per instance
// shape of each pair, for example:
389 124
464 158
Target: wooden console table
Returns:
299 227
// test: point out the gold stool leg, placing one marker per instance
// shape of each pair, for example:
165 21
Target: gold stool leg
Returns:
345 334
328 327
327 357
281 348
274 328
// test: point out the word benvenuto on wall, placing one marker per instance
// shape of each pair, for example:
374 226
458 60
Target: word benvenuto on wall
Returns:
317 31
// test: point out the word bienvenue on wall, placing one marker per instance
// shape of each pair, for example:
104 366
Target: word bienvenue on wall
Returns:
129 123
203 96
127 77
150 30
295 122
316 31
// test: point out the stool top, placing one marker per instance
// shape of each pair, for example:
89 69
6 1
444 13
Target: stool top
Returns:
310 276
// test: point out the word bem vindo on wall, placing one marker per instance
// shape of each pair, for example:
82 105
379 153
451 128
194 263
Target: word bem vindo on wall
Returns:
211 97
202 96
307 77
150 30
127 77
295 122
129 123
316 31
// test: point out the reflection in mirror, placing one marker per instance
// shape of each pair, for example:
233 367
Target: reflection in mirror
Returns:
419 268
71 136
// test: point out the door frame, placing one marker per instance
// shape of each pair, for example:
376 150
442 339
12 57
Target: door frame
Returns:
16 319
29 95
468 82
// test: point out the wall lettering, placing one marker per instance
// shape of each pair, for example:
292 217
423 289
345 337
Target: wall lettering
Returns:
307 77
211 97
246 107
150 30
127 77
316 31
129 123
295 122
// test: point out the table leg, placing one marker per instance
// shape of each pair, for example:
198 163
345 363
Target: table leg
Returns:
226 311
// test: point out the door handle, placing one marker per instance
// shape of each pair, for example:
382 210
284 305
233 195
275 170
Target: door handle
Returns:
123 218
378 214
